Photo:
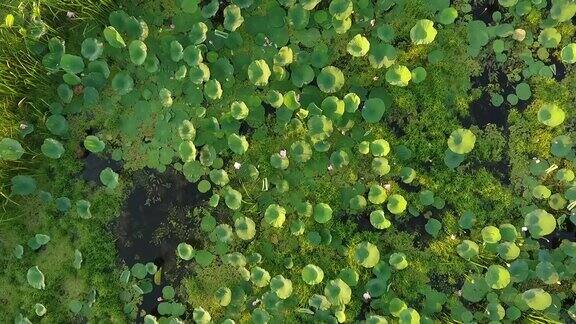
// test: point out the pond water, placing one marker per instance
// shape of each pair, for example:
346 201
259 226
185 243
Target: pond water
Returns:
155 218
94 164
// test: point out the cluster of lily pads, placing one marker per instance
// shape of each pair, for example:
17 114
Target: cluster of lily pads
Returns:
258 104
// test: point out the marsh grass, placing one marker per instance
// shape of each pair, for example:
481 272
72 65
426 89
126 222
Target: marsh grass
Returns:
25 84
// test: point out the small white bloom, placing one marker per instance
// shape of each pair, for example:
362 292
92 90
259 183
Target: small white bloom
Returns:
330 167
367 296
237 165
387 186
524 229
23 126
71 15
459 292
256 302
453 236
372 22
283 153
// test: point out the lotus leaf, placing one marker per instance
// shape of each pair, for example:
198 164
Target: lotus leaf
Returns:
322 213
65 93
203 258
382 55
312 274
122 83
10 149
377 194
341 9
213 89
232 198
376 319
447 16
338 292
185 251
35 278
339 159
223 296
301 74
568 54
109 178
259 277
300 151
539 223
92 49
546 272
497 277
245 228
63 204
396 204
398 75
40 309
409 316
398 261
83 209
138 52
232 17
461 141
453 160
238 144
561 146
551 115
537 299
366 254
423 32
72 64
467 249
284 57
373 110
330 79
259 73
379 220
113 37
549 37
419 74
94 144
281 286
358 46
52 148
433 227
23 185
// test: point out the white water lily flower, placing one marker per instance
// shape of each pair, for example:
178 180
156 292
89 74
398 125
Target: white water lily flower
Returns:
237 165
367 296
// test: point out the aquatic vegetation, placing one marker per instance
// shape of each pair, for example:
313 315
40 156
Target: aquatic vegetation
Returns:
340 161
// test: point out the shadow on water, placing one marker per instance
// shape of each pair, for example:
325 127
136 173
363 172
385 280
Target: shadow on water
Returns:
417 226
559 68
441 283
483 10
156 218
94 164
554 240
